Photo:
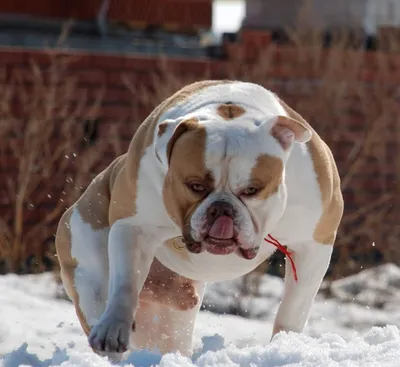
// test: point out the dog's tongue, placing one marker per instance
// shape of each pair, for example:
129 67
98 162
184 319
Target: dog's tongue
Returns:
222 229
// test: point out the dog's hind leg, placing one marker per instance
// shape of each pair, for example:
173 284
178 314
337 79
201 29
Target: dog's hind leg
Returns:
164 329
163 286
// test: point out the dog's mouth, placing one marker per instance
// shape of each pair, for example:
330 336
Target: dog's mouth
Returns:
222 239
225 247
219 246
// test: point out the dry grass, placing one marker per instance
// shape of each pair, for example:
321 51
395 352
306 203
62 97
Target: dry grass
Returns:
42 116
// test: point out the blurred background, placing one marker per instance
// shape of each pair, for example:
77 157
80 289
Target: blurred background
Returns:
78 77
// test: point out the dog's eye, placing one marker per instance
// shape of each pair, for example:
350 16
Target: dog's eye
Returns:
197 187
250 191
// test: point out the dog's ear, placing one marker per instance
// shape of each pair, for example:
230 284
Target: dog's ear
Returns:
183 127
287 130
169 132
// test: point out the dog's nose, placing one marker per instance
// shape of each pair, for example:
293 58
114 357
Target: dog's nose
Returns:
218 209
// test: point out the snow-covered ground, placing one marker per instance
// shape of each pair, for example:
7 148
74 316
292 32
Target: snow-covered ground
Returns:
38 330
369 298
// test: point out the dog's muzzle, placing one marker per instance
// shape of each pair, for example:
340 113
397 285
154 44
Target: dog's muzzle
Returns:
220 236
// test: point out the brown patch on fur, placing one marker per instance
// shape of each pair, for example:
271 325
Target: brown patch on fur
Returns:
179 200
94 203
266 175
168 288
162 128
182 128
230 111
329 183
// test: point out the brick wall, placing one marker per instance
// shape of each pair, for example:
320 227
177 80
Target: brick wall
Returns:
181 13
123 80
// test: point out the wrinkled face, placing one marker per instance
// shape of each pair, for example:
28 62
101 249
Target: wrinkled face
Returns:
224 187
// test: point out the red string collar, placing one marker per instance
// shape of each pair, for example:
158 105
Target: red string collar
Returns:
280 247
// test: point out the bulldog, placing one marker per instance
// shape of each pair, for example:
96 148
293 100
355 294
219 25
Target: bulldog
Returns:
211 172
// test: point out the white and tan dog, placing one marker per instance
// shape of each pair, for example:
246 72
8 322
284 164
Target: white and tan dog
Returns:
212 171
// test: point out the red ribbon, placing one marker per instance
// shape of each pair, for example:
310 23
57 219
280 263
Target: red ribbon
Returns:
276 243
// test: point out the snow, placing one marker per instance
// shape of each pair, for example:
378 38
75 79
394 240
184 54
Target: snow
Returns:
357 327
378 347
369 298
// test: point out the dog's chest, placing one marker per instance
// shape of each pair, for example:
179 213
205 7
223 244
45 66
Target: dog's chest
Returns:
208 267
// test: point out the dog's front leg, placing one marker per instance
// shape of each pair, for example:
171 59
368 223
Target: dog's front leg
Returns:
131 251
312 261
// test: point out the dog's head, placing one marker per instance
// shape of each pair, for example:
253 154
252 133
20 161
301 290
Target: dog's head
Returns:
225 182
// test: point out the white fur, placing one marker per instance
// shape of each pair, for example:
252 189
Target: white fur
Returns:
312 261
131 250
91 275
290 215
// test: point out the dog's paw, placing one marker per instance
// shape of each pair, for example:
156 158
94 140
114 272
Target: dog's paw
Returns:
186 297
112 333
